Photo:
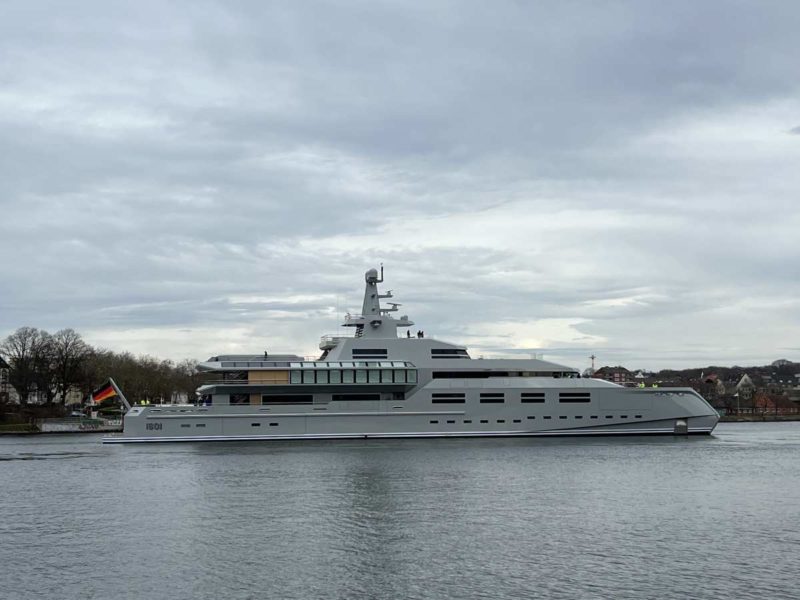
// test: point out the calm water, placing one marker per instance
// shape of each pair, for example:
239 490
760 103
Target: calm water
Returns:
713 517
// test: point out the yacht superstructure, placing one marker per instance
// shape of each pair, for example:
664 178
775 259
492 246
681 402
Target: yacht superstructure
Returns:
376 383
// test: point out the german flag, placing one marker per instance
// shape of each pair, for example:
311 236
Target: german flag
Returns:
104 392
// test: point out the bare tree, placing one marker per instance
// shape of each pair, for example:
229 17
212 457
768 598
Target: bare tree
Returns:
43 365
187 378
23 351
69 355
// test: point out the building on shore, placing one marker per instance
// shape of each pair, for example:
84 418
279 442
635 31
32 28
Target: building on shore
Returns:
619 375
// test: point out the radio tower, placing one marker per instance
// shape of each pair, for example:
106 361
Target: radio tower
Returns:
592 357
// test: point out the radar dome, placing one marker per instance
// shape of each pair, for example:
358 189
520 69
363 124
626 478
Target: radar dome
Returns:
371 276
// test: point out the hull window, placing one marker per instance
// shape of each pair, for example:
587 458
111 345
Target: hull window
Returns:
492 398
532 397
574 397
448 398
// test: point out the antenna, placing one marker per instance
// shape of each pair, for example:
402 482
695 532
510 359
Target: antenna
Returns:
592 357
381 273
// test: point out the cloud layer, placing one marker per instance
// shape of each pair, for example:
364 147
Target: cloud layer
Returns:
622 179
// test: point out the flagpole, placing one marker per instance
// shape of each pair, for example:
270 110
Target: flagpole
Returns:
120 394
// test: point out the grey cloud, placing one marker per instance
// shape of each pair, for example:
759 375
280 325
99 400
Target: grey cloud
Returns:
159 159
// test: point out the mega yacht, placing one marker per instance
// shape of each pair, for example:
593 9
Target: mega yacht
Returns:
381 381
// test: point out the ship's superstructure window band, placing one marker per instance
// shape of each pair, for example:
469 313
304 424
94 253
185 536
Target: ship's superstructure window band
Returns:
487 374
271 364
287 399
358 376
356 397
362 353
448 353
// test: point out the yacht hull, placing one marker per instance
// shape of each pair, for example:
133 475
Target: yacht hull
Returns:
693 426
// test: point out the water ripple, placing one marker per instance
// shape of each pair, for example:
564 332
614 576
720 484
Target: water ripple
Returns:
635 518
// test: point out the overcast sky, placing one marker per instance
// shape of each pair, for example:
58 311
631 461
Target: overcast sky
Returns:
185 179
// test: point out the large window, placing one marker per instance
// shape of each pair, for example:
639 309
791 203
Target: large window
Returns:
287 399
234 375
239 399
343 397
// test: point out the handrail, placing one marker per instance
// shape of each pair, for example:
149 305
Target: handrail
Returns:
333 336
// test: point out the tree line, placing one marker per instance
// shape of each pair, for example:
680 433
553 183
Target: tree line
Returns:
45 368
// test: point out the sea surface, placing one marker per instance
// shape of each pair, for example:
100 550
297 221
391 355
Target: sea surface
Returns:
700 517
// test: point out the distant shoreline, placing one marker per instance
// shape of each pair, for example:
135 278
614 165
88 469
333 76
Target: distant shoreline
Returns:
758 418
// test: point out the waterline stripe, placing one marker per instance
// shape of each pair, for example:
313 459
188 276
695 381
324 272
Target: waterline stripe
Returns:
438 434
